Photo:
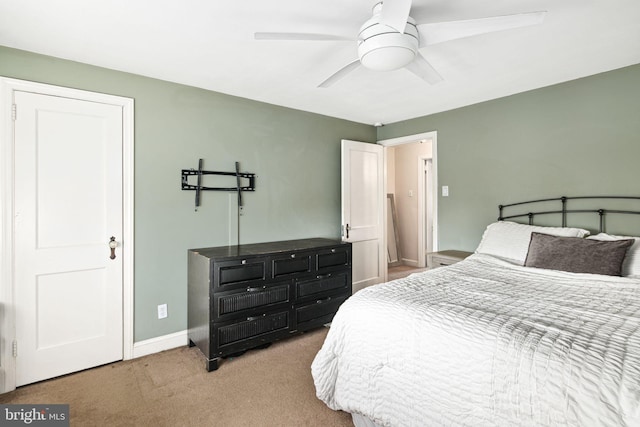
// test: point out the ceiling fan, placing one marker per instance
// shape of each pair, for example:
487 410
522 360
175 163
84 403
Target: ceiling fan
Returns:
391 39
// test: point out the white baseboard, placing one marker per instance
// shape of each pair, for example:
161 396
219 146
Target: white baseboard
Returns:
158 344
410 262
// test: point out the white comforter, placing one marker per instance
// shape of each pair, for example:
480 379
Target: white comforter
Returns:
487 343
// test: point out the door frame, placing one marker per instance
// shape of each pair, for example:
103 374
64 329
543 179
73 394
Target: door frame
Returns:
422 201
425 206
7 181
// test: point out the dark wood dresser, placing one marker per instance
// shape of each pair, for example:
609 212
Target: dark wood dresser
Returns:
245 296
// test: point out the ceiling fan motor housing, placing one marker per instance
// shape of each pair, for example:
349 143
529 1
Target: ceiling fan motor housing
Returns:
382 48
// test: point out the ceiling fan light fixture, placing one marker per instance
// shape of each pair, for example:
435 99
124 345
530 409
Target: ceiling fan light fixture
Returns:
387 58
383 50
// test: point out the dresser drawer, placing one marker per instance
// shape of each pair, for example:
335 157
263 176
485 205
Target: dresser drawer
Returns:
317 313
322 283
249 332
236 273
333 258
294 263
234 303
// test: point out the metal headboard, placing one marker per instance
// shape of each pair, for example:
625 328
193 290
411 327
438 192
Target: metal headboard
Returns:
564 210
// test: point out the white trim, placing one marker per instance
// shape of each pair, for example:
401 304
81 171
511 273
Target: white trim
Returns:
421 261
428 203
434 192
408 139
128 177
158 344
424 203
411 263
385 217
7 317
433 136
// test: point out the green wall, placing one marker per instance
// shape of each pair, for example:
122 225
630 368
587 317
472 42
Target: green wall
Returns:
577 138
295 155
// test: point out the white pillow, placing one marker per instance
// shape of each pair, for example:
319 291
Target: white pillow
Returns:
631 263
510 240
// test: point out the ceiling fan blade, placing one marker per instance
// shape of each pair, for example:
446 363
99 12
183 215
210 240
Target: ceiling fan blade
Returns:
340 74
421 68
444 31
395 13
299 36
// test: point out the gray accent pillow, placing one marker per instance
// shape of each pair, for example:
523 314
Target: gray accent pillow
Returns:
577 255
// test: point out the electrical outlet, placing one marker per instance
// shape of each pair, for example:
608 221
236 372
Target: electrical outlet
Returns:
445 191
162 311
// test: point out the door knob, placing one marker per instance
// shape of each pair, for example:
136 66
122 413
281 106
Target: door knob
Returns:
113 245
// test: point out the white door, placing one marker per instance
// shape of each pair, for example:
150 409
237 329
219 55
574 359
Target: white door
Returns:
363 207
68 292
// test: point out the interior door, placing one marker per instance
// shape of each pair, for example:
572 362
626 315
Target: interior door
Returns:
68 204
363 205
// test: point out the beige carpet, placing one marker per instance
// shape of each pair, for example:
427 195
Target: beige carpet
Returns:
268 387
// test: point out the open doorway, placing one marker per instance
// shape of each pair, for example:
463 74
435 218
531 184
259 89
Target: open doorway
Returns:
411 180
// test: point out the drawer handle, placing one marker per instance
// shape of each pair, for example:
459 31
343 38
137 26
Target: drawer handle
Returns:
320 301
252 318
323 276
256 289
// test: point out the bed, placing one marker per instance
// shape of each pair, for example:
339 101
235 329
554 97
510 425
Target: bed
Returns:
540 327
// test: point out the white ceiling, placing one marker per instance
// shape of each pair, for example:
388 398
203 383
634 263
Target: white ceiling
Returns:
209 44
